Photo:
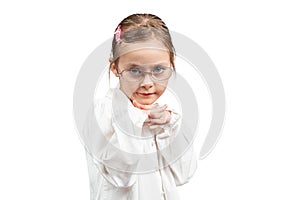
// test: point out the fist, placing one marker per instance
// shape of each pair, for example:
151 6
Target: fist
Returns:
157 115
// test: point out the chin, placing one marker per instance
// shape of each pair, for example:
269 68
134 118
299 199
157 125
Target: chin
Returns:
145 101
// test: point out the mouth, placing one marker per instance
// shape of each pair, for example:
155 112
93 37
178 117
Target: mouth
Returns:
145 94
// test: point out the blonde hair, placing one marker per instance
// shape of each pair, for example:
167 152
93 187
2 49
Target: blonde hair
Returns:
141 28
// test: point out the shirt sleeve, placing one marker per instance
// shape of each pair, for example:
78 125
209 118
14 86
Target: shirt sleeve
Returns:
183 168
115 160
95 177
102 156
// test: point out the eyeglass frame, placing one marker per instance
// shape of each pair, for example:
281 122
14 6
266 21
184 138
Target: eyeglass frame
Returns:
144 73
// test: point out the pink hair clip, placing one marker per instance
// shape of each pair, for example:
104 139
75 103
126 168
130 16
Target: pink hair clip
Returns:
118 34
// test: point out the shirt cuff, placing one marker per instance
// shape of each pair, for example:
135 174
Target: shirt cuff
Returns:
169 129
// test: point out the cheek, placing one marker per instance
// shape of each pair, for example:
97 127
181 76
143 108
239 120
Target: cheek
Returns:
161 87
160 91
128 87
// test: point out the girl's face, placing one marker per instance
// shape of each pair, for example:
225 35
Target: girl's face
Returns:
136 84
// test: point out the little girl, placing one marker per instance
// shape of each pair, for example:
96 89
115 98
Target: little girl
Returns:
130 164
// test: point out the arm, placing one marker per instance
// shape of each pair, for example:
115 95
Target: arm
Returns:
101 141
184 167
165 125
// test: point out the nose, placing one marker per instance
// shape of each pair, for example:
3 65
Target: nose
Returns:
147 81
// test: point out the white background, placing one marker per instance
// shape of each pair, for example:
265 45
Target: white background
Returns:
254 44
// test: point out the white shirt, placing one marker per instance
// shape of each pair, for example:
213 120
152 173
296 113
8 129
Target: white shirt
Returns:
121 143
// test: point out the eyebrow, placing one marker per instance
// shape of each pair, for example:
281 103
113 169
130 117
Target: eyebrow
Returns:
139 65
132 65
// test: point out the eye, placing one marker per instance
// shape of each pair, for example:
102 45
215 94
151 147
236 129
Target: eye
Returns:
134 71
158 70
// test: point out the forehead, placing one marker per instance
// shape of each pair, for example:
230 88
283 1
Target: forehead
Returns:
145 57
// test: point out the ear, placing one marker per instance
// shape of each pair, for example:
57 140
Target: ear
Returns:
113 67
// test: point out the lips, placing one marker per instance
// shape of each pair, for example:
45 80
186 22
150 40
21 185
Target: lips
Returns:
146 93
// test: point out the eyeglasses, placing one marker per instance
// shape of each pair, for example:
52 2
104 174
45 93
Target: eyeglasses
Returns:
135 74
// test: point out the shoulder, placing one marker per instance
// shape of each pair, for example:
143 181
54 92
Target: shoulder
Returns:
104 104
103 112
105 99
